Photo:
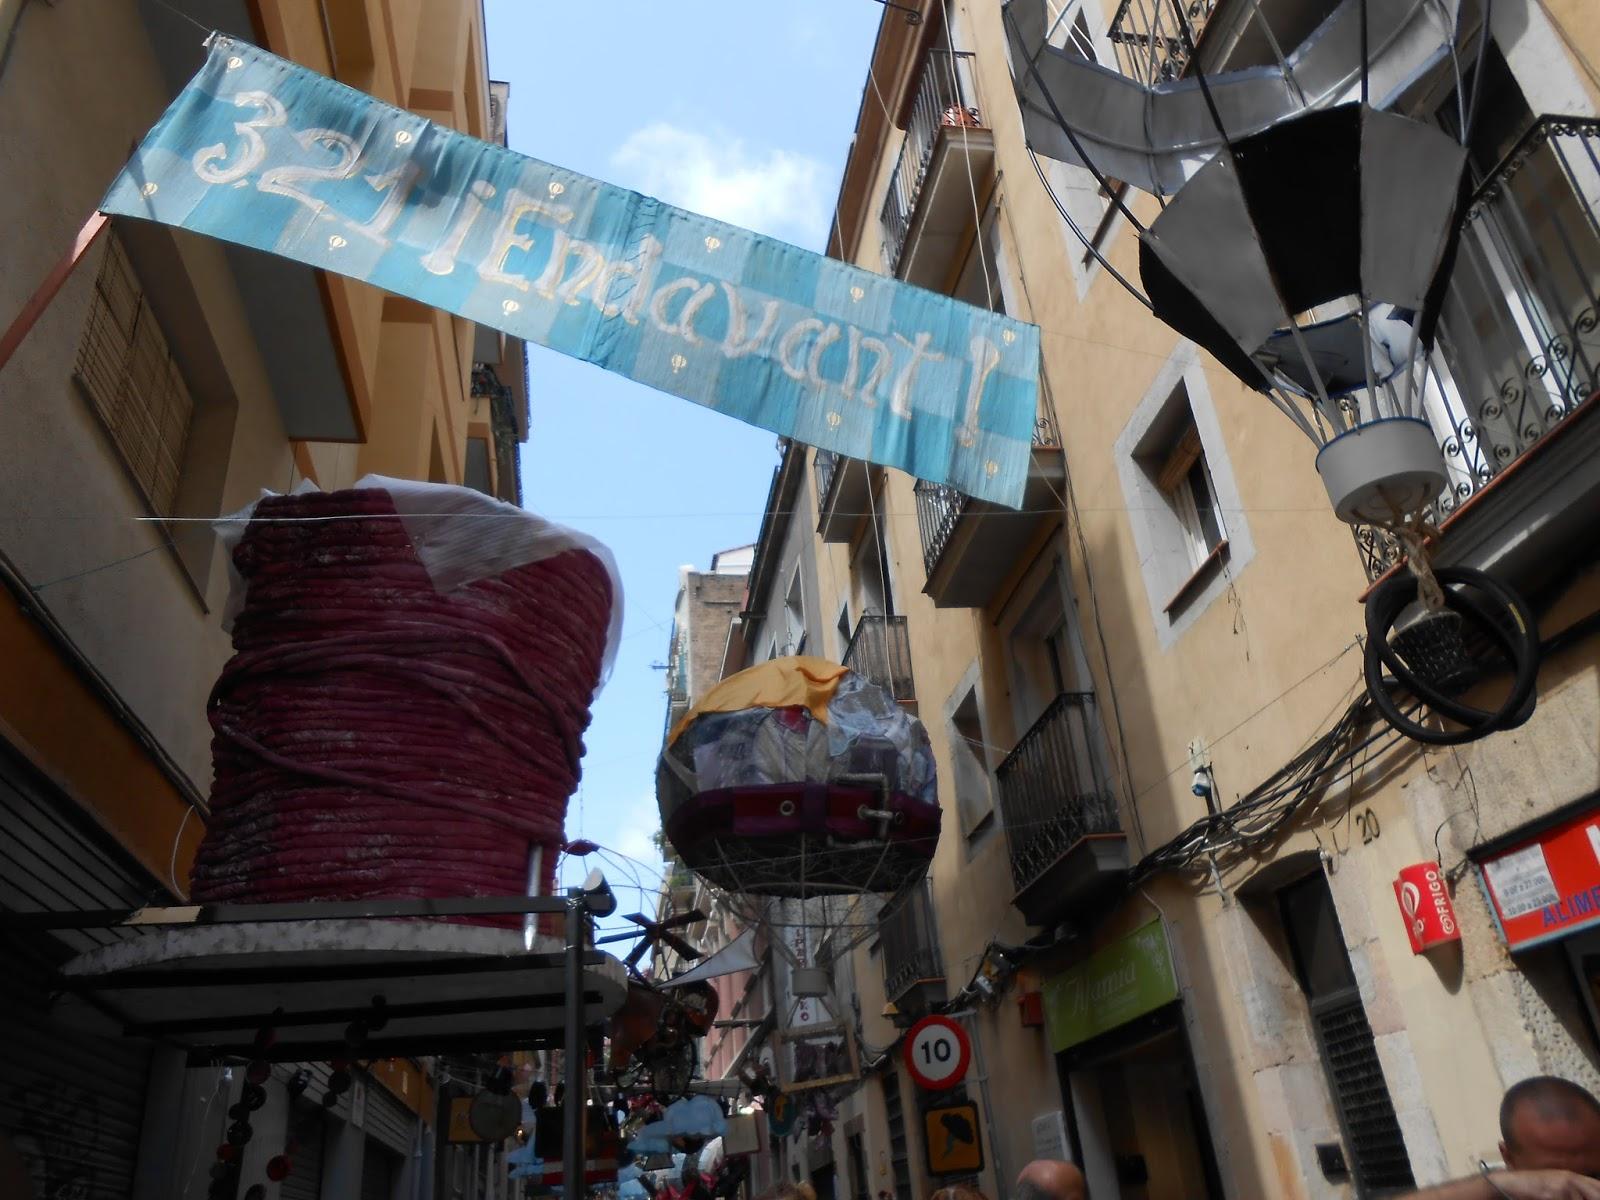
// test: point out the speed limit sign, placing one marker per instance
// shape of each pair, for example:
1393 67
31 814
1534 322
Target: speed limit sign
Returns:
937 1053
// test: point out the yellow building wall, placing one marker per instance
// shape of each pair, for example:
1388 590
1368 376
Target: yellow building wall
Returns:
1265 667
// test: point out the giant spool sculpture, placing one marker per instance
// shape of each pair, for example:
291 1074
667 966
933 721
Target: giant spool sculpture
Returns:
403 713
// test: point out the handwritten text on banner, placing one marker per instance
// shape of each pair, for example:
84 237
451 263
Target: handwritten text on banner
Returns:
260 151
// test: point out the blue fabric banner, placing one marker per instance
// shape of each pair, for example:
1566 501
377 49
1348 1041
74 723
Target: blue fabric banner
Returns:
261 151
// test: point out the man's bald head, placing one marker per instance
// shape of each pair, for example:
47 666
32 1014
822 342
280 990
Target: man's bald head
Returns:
1048 1179
1548 1123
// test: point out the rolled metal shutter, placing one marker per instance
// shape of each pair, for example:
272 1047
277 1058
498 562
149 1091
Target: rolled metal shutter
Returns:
388 1120
379 1170
72 1104
305 1165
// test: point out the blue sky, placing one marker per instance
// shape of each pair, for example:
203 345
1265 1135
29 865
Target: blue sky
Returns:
740 109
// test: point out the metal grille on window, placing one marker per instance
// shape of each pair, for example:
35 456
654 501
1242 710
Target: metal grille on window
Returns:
127 370
1377 1149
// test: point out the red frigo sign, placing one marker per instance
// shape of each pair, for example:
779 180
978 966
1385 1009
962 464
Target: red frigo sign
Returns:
1425 905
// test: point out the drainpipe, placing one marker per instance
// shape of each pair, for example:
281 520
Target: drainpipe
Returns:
10 10
1002 1174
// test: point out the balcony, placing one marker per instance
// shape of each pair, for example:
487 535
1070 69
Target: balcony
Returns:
844 494
1067 849
880 650
1152 38
970 547
913 968
1511 384
1150 43
944 164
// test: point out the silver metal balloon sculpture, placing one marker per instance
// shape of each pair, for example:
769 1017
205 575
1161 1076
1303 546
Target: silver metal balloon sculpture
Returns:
1305 239
1306 231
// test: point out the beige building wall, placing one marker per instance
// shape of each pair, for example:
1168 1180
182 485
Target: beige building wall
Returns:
142 600
1261 660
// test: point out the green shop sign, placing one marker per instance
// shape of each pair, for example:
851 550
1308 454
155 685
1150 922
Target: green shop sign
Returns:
1115 984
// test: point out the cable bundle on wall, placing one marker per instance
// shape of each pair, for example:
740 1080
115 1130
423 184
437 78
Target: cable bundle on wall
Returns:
375 735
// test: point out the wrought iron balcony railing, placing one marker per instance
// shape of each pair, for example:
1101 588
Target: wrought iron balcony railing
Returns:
1149 36
1519 335
943 101
909 938
880 650
825 467
1053 790
940 507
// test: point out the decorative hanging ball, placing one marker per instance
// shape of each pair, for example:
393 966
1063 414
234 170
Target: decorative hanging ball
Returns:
228 1152
255 1191
330 1099
240 1133
259 1071
339 1082
253 1096
278 1168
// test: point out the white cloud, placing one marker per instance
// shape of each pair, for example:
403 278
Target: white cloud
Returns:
767 189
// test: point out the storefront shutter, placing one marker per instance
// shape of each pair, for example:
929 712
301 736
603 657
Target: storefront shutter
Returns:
305 1165
72 1104
378 1172
388 1120
1377 1149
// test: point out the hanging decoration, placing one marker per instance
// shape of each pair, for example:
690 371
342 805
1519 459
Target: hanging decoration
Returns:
1306 241
260 151
403 712
799 778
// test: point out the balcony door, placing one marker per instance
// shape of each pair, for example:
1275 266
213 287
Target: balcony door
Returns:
869 570
1518 346
1045 649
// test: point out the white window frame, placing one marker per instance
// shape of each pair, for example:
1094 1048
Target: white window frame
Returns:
1165 548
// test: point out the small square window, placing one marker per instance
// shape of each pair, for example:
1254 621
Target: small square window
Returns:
970 752
794 615
126 369
1189 528
1185 481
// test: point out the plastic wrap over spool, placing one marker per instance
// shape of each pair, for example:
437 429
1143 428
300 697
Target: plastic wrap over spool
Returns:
1381 472
460 535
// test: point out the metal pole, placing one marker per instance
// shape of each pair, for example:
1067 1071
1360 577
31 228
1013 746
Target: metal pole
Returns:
46 292
572 1110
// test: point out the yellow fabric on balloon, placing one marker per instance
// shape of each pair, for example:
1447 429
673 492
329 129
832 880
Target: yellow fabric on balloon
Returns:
796 681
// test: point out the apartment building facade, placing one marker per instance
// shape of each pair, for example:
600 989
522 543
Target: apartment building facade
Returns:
170 381
1170 631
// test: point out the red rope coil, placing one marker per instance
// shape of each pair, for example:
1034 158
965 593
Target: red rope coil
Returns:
374 738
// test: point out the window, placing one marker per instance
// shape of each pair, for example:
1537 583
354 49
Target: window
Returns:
970 752
478 475
1375 1147
128 373
794 614
1043 647
1094 207
1182 500
1186 483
